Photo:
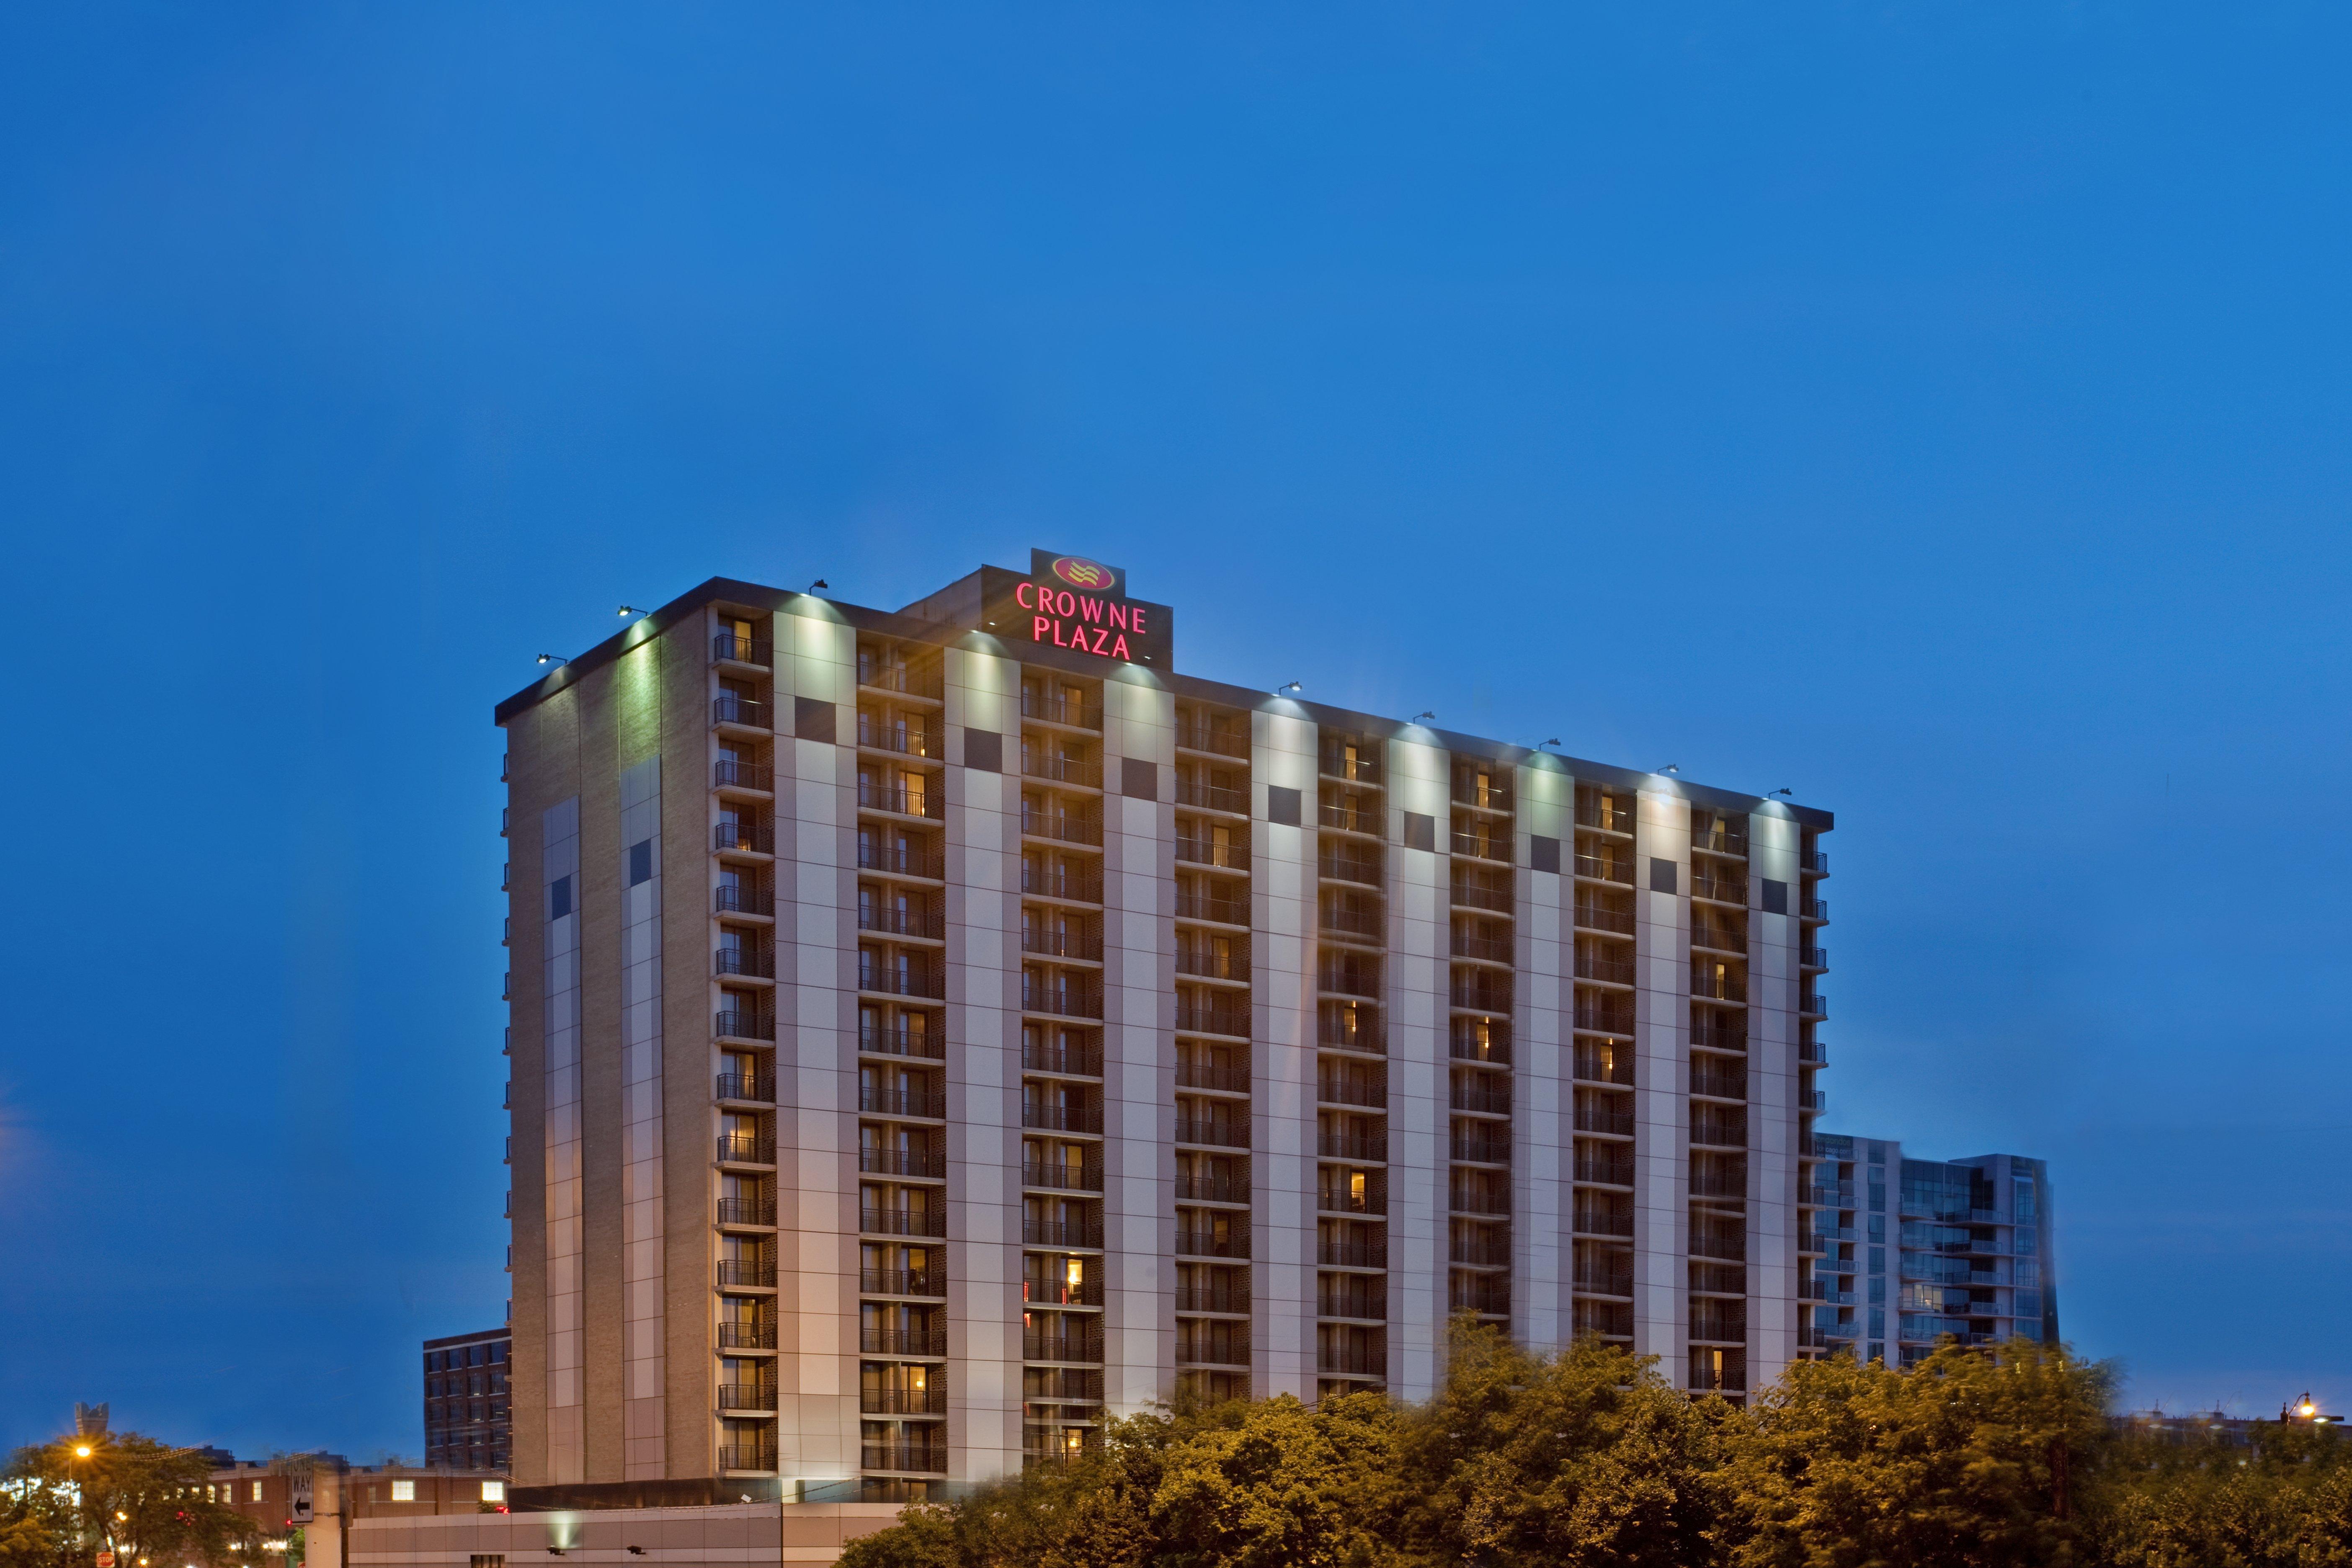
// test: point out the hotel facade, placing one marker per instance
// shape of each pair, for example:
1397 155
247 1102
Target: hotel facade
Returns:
936 1030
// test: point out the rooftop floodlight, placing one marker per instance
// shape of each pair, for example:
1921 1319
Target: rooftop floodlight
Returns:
1790 793
1672 768
1288 686
1553 742
553 659
1419 717
820 582
627 610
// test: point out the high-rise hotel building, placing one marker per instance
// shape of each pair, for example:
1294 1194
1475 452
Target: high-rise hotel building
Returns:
936 1030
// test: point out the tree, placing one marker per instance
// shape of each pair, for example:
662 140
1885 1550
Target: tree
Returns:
129 1494
1971 1460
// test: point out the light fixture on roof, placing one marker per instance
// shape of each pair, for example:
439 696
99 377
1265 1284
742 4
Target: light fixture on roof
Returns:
1672 768
1790 793
627 610
1288 686
553 659
820 582
1419 717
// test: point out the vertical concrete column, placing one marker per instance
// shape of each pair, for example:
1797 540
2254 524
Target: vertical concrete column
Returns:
816 1051
983 1067
642 1384
1662 1084
1283 879
1420 969
559 912
1138 1042
1542 1173
1772 941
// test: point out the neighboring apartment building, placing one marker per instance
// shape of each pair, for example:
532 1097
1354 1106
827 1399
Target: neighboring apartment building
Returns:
466 1424
935 1030
277 1497
1957 1247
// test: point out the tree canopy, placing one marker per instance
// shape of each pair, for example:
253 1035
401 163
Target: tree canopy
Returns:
131 1495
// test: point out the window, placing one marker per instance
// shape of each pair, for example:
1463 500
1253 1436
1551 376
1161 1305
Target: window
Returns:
403 1491
257 1491
494 1492
487 1560
641 861
559 898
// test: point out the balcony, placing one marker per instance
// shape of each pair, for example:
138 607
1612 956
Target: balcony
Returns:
907 861
923 1458
1362 925
1211 1299
904 1103
1470 893
1212 1018
1363 870
876 676
1603 1282
1814 910
1196 1075
1207 963
1344 818
1826 1196
1719 939
742 898
1606 1016
1191 906
751 962
928 925
1077 772
1606 1173
1615 971
902 1282
1596 917
743 1024
922 1165
1812 1053
899 737
1492 796
728 649
1493 1050
746 1149
1718 1132
1719 889
1067 827
1082 1061
1813 862
1719 1183
903 980
1482 845
743 712
1598 1067
1477 994
1215 1132
1361 768
1594 1115
747 1397
902 1222
747 1336
1340 1199
1371 1253
747 1211
1721 1248
1230 856
1334 1088
1368 1146
899 1040
1061 1118
742 836
1235 1243
931 1400
760 1087
1213 1189
1352 1359
1486 949
742 1457
1218 739
1064 1000
757 1273
1480 1201
1087 947
729 773
1484 1294
1610 814
1080 1347
1212 797
902 1341
1359 1032
1813 1006
1490 1096
1601 1222
1710 1035
1813 957
1073 886
1718 1085
1719 1328
902 801
1085 1234
1062 1176
1610 868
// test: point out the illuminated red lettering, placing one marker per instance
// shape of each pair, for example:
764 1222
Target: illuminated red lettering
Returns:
1090 608
1117 614
1140 629
1064 602
1037 633
1100 637
1119 649
1026 588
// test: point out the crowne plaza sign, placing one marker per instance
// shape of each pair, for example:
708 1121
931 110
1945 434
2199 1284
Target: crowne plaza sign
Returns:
1070 602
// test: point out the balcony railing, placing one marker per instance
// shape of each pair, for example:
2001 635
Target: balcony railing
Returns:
897 735
742 836
746 1456
1211 1299
1601 1222
1719 1085
1200 1018
1359 769
1347 818
744 1023
1078 770
902 679
1079 1061
1198 1075
1723 890
1603 1283
1719 939
1364 870
1479 997
1815 910
1086 946
730 709
1482 1150
743 650
1209 1244
1481 1293
1482 845
1610 868
1212 797
1487 949
1213 1189
1337 976
1722 1249
902 1104
1351 1359
1191 906
1065 827
1594 1117
1061 1347
1720 1328
1061 1233
1813 957
1718 1185
746 1149
747 1336
928 1459
1234 964
927 1164
747 1211
1062 1118
742 898
751 1272
1371 1253
756 963
902 1222
889 921
1596 1067
1340 1199
1470 894
1816 1006
1491 1097
900 860
1718 1132
924 803
1062 1176
899 1040
1367 924
1369 1146
1075 886
1619 972
1607 812
901 1282
1709 986
1218 1133
1829 1196
1817 861
909 980
1333 1088
903 1341
729 773
1061 1001
1595 917
751 1086
747 1397
1358 1034
1607 1173
1492 797
1217 740
1231 855
1719 1037
1496 1048
932 1401
1718 836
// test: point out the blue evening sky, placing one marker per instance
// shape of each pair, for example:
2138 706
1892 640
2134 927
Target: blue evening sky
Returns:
1938 409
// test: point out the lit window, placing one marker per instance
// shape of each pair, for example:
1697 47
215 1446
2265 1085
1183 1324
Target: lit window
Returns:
403 1491
257 1491
494 1492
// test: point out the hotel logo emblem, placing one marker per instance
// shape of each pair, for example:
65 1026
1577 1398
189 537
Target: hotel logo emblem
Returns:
1080 573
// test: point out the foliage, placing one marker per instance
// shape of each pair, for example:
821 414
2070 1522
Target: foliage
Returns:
132 1496
2284 1502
